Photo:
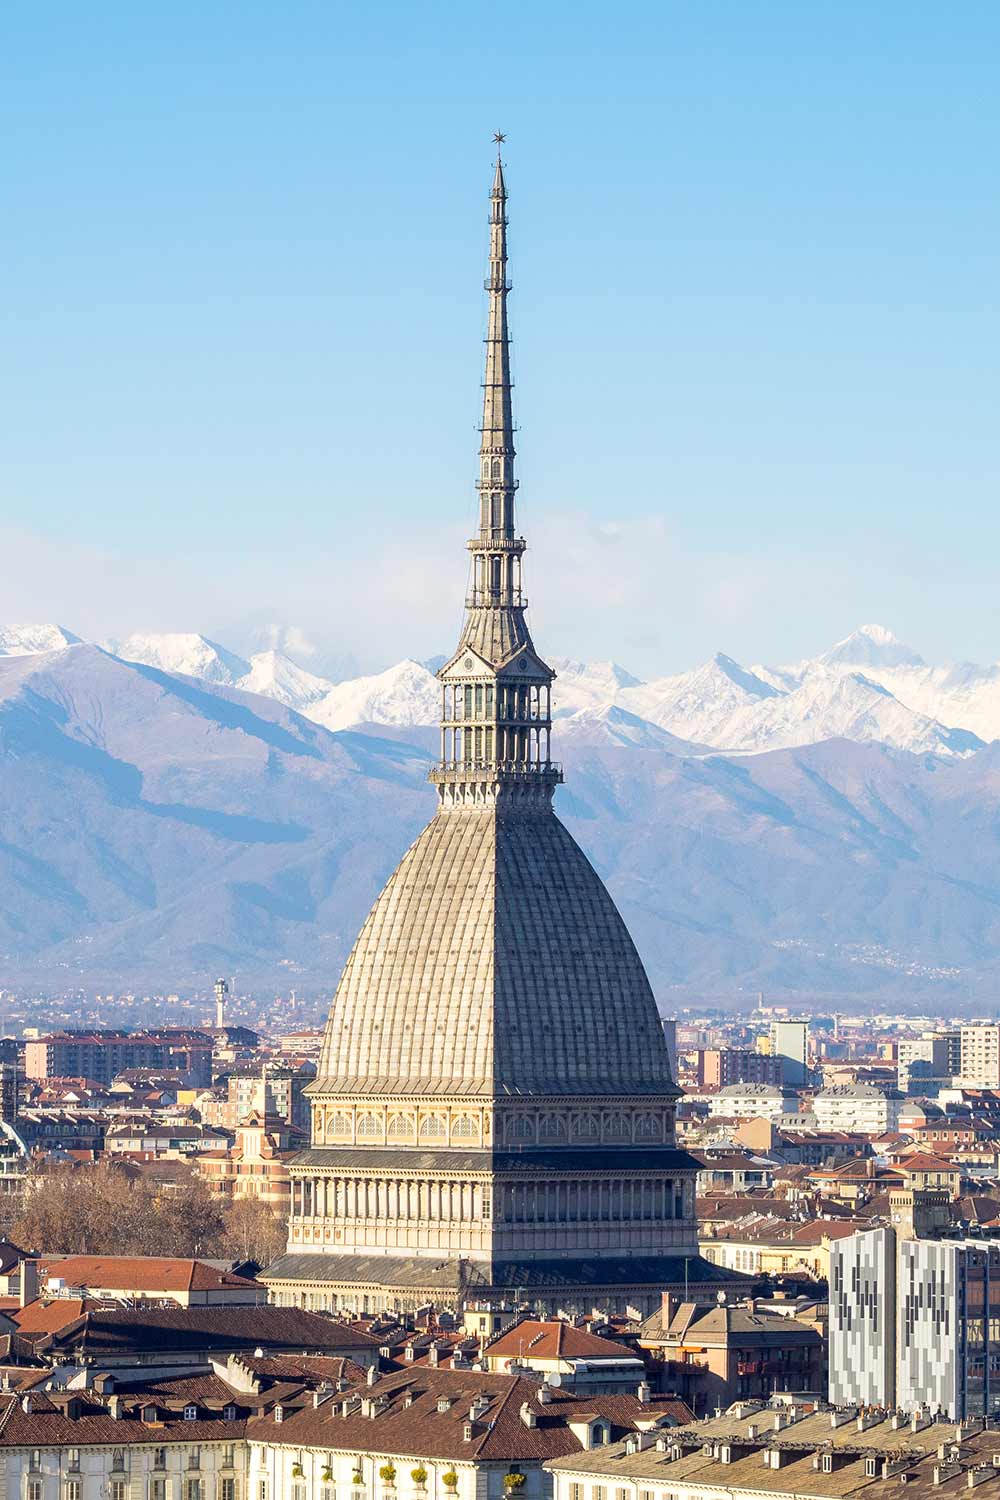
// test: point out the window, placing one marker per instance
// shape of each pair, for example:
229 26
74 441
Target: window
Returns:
159 1458
117 1490
227 1489
157 1489
35 1462
576 1492
369 1125
192 1489
298 1492
339 1126
262 1489
327 1492
190 1413
432 1126
228 1456
598 1492
71 1489
871 1467
194 1458
465 1127
34 1491
118 1460
551 1128
826 1463
229 1413
401 1127
73 1459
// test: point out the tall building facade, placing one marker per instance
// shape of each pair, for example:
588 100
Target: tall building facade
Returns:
979 1056
494 1108
790 1042
913 1323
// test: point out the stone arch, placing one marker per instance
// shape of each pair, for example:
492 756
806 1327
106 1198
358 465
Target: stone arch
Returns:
433 1128
370 1125
339 1126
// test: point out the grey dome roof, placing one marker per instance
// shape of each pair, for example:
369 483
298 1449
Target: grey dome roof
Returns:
494 962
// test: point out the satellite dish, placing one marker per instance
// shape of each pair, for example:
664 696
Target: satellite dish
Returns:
720 1298
554 1379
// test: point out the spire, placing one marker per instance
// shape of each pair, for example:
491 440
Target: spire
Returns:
496 720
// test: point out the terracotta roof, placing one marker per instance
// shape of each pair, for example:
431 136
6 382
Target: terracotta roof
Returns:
420 1429
141 1273
554 1339
47 1316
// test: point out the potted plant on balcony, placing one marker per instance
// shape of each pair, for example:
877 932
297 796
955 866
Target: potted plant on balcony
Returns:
326 1474
450 1481
514 1483
297 1471
357 1478
419 1476
387 1474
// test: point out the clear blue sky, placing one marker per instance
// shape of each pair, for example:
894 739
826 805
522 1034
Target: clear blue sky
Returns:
755 256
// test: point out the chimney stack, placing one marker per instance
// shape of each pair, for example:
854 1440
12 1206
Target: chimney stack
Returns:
28 1282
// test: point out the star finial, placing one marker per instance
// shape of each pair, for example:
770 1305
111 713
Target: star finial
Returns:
499 137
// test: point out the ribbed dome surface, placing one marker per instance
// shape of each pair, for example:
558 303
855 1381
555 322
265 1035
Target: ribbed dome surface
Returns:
494 962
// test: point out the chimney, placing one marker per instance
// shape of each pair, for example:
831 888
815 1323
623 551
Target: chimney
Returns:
115 1407
372 1375
28 1282
667 1308
433 1357
644 1392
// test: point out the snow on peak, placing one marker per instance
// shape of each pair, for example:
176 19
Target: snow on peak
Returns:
276 676
587 684
404 694
187 654
30 640
871 646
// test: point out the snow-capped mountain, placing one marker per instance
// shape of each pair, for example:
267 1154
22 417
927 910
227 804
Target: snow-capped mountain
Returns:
189 654
404 694
275 676
26 640
155 825
870 646
869 686
587 684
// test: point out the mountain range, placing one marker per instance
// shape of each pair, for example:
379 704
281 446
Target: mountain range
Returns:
170 808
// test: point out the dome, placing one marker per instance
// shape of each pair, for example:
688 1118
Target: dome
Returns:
494 962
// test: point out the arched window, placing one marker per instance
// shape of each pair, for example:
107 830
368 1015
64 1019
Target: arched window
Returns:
648 1128
369 1125
432 1127
465 1127
496 468
587 1128
551 1128
616 1128
401 1127
520 1128
338 1127
118 1460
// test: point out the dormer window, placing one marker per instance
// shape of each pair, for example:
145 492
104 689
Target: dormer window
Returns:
229 1413
598 1434
191 1413
871 1468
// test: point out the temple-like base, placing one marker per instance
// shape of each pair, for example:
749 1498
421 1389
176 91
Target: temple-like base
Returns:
373 1283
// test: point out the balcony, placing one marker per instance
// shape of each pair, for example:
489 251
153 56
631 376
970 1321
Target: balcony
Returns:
506 770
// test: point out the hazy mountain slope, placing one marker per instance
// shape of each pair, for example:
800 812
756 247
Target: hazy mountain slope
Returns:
156 829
